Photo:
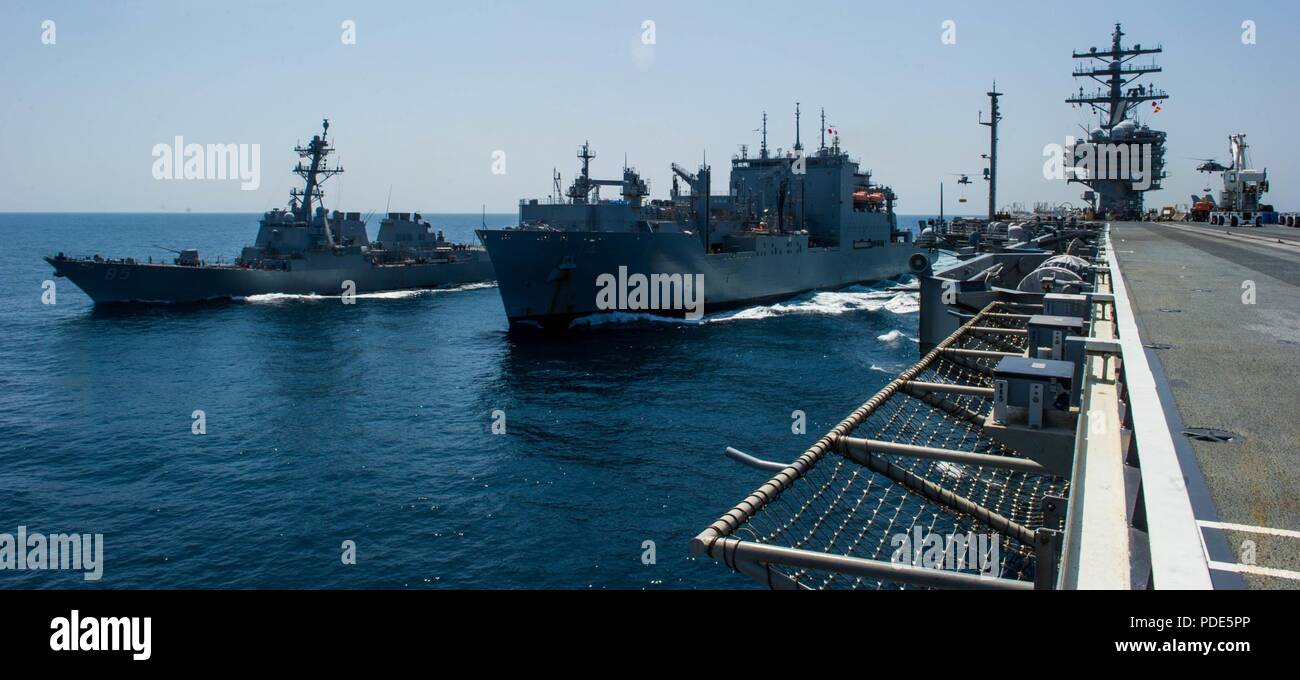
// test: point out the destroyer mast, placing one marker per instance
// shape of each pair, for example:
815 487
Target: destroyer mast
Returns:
316 150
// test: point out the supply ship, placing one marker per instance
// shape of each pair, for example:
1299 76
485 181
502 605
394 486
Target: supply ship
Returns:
303 249
789 223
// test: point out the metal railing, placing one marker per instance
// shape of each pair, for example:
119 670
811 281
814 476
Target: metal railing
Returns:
829 518
1165 508
916 456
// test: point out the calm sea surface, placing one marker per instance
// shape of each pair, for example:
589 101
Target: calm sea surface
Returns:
372 423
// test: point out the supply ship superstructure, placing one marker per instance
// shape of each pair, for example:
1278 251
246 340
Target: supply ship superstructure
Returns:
303 249
789 223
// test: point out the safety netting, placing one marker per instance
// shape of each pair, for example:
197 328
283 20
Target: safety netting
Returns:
959 516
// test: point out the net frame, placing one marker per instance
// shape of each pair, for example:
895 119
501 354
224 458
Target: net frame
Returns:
833 517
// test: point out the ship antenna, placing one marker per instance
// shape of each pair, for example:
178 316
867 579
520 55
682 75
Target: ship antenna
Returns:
586 155
823 146
582 186
390 200
798 145
762 153
992 124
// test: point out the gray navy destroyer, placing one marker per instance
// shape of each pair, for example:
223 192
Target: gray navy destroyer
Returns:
789 223
303 249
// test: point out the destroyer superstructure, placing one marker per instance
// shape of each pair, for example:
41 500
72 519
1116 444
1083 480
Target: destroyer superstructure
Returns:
789 223
303 249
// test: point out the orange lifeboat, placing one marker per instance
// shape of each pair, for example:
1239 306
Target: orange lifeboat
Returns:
863 197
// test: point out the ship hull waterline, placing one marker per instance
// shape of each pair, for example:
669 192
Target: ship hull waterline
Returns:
548 280
117 282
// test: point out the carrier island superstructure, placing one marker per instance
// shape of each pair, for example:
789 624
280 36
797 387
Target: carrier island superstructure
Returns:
789 223
303 249
1120 146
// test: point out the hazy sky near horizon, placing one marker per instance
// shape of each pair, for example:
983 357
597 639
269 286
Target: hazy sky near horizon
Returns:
430 90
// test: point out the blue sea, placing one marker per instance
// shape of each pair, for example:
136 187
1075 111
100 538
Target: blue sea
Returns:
372 423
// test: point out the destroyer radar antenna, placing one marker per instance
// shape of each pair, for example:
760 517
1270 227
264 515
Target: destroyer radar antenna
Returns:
314 174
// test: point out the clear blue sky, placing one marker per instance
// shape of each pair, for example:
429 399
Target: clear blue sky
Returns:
431 89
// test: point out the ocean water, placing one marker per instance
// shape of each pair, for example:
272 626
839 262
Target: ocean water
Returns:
372 423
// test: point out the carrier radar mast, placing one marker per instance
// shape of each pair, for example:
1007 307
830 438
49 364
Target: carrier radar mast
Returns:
1111 101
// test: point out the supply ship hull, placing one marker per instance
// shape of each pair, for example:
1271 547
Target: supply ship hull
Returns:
549 279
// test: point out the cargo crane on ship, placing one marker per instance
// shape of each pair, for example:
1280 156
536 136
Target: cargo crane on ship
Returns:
1239 203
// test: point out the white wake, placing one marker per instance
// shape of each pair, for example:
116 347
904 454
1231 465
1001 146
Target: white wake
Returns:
273 298
852 299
